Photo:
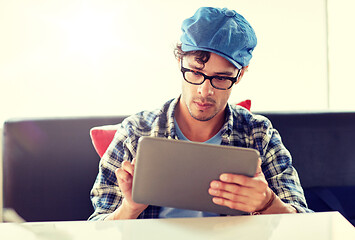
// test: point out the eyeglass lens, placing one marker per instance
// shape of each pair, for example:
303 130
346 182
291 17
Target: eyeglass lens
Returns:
198 78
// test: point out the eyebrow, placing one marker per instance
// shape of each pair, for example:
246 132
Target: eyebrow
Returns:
194 67
227 73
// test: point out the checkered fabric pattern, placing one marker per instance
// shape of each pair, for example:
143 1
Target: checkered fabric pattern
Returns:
241 128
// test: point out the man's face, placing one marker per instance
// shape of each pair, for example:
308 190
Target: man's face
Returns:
204 101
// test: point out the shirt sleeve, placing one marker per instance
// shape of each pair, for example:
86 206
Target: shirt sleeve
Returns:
277 167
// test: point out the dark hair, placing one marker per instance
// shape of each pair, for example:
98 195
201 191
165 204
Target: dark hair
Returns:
200 56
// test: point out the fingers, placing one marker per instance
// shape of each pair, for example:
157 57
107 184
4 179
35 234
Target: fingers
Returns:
236 196
217 187
236 193
239 180
234 205
245 180
128 167
124 176
240 192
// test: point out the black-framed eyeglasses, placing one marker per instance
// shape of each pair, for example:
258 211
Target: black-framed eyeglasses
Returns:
218 82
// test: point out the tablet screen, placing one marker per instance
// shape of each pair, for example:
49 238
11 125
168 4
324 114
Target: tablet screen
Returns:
174 173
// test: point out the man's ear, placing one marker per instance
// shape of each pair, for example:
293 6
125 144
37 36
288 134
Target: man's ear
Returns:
243 70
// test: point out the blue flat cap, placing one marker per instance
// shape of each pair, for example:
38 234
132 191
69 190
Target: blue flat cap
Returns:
221 31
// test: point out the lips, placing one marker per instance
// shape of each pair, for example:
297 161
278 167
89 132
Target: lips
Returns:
203 106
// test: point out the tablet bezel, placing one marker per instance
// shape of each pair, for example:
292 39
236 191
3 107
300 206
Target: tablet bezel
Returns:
175 173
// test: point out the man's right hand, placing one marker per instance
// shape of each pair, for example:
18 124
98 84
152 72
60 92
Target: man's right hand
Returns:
129 209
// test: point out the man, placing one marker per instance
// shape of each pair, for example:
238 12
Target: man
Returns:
215 50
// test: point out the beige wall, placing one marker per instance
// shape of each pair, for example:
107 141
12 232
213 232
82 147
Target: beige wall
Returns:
76 57
341 54
108 57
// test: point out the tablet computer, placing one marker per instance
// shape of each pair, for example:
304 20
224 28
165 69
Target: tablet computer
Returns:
175 173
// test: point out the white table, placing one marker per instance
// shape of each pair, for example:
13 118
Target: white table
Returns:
324 226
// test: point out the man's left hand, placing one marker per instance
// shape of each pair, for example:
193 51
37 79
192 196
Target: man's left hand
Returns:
248 194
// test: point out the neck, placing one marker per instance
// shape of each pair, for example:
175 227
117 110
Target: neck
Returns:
195 130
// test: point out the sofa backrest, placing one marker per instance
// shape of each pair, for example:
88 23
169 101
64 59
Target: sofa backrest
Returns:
322 148
50 165
321 145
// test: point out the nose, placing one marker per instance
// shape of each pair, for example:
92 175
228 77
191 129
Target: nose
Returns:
206 89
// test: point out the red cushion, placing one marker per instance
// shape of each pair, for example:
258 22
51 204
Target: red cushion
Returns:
246 104
102 136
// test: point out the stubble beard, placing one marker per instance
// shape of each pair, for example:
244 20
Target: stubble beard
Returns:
205 118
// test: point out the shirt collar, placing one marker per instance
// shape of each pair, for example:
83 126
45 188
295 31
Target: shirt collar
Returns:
164 126
170 131
228 125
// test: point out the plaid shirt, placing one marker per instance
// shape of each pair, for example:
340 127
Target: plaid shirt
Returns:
241 128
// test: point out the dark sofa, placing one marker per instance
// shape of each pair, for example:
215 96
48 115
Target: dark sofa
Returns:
49 165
